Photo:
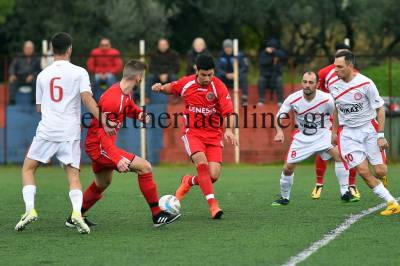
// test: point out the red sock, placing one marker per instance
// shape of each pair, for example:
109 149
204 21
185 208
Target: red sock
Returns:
149 191
320 169
352 176
91 196
204 179
194 181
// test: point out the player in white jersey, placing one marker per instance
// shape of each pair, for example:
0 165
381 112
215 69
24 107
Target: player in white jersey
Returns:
360 116
59 90
312 109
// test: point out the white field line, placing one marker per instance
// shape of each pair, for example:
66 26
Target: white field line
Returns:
331 236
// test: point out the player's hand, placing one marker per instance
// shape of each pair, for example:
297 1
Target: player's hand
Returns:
334 138
123 165
279 137
229 76
145 118
229 136
383 144
109 126
156 87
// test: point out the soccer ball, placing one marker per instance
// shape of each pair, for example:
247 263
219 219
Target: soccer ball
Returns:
170 204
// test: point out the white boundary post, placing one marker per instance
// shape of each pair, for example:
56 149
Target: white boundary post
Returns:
142 101
236 94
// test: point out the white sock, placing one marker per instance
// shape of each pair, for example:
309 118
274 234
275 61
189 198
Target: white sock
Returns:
383 193
76 197
286 184
28 193
343 177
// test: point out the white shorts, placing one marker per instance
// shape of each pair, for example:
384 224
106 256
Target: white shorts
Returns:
359 143
300 149
67 152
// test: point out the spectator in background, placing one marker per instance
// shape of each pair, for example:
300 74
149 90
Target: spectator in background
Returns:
105 63
23 71
271 62
198 47
224 68
164 67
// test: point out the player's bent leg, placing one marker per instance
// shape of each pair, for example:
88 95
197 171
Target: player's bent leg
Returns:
215 171
28 193
76 197
320 169
93 194
206 186
381 173
286 183
149 190
377 187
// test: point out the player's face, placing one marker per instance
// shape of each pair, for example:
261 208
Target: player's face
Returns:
309 83
342 68
105 44
204 76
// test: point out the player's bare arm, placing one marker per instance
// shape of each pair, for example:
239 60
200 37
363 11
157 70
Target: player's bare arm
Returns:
158 87
335 126
279 137
230 124
38 108
91 105
382 142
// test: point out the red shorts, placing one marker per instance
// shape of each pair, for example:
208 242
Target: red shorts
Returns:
104 162
193 144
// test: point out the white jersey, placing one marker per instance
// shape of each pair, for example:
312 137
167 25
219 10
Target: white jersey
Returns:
58 89
356 101
312 117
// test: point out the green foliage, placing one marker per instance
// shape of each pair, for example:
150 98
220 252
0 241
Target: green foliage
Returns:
5 9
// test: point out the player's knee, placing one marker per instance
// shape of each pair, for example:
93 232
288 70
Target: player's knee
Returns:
288 169
380 170
214 178
146 168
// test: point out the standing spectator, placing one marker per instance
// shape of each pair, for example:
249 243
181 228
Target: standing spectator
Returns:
224 68
164 67
105 63
198 47
271 62
23 71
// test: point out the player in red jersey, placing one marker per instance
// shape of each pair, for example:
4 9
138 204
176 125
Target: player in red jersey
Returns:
106 156
208 108
328 76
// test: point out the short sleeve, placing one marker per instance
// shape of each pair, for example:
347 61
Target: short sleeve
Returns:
374 98
177 86
39 91
225 100
84 84
286 107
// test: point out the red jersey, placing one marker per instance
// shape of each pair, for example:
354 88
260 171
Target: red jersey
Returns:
118 105
327 76
205 107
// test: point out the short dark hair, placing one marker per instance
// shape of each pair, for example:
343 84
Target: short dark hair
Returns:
342 46
60 42
312 72
205 62
133 67
348 57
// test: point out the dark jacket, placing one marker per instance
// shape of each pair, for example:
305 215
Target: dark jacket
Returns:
271 63
22 66
164 63
224 64
191 60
